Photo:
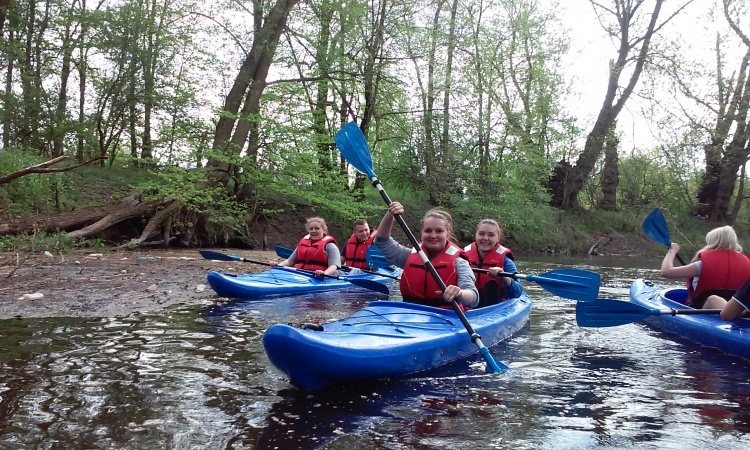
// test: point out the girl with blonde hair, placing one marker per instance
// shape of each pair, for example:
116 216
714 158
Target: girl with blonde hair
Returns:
316 251
716 271
417 283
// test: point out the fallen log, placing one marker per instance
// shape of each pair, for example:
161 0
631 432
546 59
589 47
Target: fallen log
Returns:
85 222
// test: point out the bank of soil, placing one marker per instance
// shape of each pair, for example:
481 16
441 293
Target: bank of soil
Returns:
110 283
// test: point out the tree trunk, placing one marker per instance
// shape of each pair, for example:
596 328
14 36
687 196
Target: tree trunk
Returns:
722 164
82 78
252 75
61 123
4 5
431 160
610 176
320 109
372 74
9 106
567 181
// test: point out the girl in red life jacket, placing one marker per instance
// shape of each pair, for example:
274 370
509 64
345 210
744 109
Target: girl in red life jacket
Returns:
354 253
317 251
715 272
486 252
417 284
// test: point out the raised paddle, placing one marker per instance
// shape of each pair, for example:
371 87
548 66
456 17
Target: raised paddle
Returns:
353 147
574 284
284 252
611 313
655 227
367 284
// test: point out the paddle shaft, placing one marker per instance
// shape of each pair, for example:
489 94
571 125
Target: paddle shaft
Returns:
674 312
679 258
286 253
515 276
475 338
221 257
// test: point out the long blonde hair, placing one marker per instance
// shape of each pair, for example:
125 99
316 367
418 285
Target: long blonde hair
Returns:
722 237
445 217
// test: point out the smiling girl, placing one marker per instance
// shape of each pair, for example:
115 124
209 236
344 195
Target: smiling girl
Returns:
486 252
417 284
316 251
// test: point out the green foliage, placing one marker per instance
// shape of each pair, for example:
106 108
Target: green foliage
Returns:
36 193
38 242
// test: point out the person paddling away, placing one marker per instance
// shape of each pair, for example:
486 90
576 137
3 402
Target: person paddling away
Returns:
716 271
417 284
355 249
317 251
487 253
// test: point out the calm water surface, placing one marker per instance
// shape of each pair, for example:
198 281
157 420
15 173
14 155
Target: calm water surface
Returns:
198 378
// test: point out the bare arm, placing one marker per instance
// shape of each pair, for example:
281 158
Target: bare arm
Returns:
668 270
289 262
386 224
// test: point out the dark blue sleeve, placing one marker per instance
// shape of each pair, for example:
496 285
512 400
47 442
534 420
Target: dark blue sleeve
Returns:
515 289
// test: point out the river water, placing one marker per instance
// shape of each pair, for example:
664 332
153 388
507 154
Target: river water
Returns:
197 377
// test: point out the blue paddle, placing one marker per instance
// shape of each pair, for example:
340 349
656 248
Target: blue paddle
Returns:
284 252
574 284
353 147
655 227
611 313
367 284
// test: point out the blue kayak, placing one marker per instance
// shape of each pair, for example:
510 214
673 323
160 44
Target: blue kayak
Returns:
387 340
706 329
286 280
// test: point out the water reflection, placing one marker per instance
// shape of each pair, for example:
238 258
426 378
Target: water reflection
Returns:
198 378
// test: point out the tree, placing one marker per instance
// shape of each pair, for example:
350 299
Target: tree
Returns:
727 151
235 126
632 53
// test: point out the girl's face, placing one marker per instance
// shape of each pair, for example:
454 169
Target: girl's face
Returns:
316 231
434 234
487 237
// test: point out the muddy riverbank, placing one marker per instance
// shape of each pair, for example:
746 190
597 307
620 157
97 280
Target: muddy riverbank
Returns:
110 283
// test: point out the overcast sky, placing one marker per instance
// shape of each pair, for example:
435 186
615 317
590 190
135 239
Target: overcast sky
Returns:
591 51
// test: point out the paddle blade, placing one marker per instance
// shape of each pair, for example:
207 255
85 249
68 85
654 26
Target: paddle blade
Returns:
376 259
655 227
493 365
353 147
610 313
370 284
218 256
575 284
283 252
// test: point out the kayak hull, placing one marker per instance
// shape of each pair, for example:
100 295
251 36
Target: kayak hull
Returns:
387 340
705 329
284 281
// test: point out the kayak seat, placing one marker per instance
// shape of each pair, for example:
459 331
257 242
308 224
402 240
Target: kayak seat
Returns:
489 295
678 295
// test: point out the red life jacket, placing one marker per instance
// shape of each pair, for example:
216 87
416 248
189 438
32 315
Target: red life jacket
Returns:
722 269
419 286
355 252
311 255
494 258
